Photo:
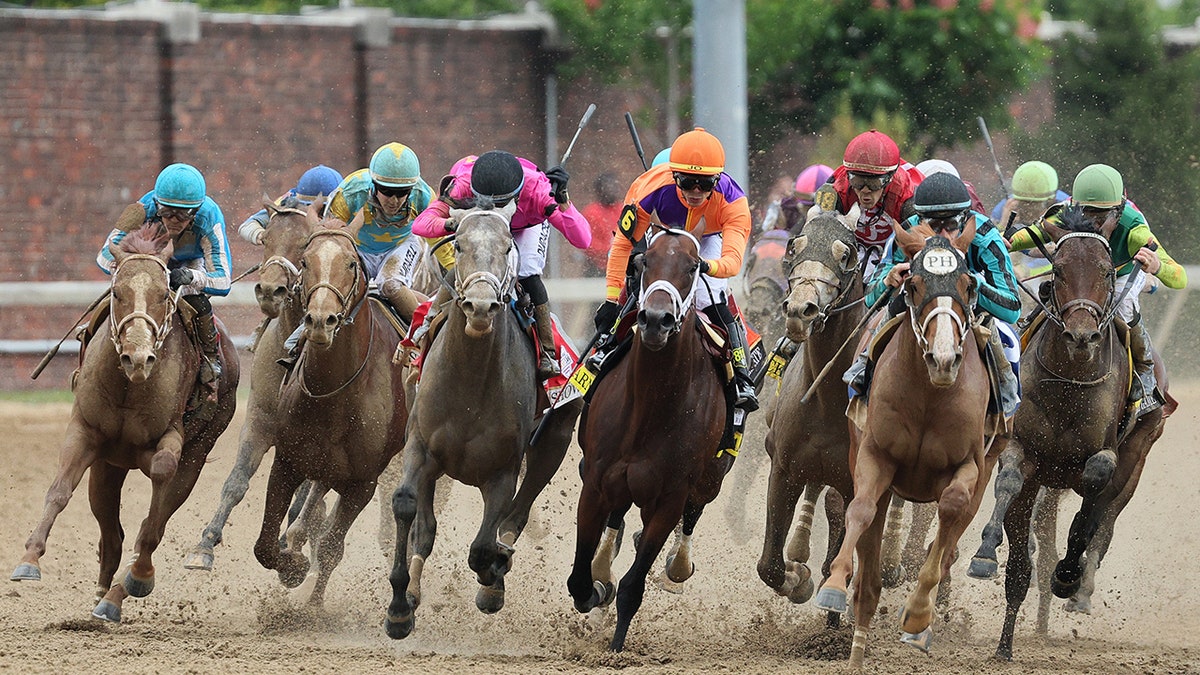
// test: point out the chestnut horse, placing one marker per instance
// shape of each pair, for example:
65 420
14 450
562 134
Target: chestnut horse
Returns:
342 413
650 437
131 412
1071 430
923 436
476 407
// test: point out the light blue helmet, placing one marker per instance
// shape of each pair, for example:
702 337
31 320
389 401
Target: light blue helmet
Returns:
662 157
395 165
181 186
319 180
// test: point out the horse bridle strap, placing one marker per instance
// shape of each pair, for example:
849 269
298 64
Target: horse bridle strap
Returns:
160 331
347 314
1102 313
502 286
941 309
679 303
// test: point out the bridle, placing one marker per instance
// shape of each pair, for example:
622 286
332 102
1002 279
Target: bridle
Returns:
159 330
348 312
1103 314
503 287
290 271
945 300
679 303
842 287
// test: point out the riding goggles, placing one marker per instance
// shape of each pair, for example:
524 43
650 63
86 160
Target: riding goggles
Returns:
873 183
389 191
687 181
174 213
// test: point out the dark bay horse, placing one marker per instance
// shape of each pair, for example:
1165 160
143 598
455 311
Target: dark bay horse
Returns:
1069 431
277 294
342 412
476 407
131 413
923 436
650 437
809 441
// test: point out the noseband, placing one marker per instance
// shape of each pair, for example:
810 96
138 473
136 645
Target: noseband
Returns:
160 330
842 287
679 304
346 315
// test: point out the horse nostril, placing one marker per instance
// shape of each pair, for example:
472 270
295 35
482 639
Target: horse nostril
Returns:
809 310
331 321
1093 338
126 362
279 293
150 359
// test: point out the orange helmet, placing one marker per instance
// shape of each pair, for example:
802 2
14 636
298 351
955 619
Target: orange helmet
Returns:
872 152
697 151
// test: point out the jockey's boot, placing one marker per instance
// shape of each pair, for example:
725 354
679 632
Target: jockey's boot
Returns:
1010 384
547 362
291 349
402 298
210 346
1144 383
743 384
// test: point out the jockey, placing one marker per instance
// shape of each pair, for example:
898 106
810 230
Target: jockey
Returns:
317 181
932 166
200 265
943 202
690 192
873 176
542 202
788 213
1100 190
1034 190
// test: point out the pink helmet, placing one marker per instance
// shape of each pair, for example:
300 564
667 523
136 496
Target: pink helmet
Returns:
810 179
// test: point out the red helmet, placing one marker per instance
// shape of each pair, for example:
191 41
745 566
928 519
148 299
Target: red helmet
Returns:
872 152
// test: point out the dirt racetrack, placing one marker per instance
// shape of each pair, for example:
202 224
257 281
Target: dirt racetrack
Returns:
239 619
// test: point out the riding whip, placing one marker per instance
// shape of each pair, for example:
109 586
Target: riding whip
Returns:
987 138
881 302
637 142
54 350
587 116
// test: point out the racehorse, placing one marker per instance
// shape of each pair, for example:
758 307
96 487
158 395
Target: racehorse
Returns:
1072 429
923 436
276 291
131 411
473 417
809 440
650 437
766 284
342 411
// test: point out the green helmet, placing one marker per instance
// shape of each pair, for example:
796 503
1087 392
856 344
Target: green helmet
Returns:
395 165
1098 185
1035 182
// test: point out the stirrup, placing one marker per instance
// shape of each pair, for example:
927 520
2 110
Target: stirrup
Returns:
547 367
744 395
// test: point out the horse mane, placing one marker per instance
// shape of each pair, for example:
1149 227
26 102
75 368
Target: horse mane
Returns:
148 240
1072 220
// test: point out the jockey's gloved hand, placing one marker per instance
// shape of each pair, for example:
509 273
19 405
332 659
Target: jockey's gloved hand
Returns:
705 266
558 183
606 316
180 276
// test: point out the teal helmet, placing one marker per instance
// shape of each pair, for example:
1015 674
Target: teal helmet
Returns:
1099 186
662 157
181 186
319 180
1034 182
395 165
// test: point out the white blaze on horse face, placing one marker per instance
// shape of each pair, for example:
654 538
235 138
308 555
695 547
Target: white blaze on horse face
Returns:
323 302
945 347
138 335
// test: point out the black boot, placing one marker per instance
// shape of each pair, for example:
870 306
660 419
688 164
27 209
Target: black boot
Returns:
210 347
743 384
547 361
1144 386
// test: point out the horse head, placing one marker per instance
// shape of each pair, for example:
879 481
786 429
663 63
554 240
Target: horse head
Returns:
822 271
141 302
333 281
283 243
485 268
1084 297
670 267
940 293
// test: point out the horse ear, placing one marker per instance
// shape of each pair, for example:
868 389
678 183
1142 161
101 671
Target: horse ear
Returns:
168 250
963 241
850 220
313 216
911 242
1053 231
269 205
508 209
1110 224
356 222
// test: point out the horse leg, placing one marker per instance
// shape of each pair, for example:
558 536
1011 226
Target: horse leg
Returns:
541 463
412 503
1095 482
606 552
352 500
1045 531
679 567
868 584
1019 566
491 555
387 483
835 515
773 566
290 565
104 495
587 589
915 546
306 520
657 525
893 569
79 451
799 546
985 564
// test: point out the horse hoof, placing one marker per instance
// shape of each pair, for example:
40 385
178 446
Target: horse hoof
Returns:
664 582
199 559
490 599
983 568
1074 604
893 577
399 628
138 588
802 591
107 611
293 572
681 578
26 572
1064 583
603 593
920 640
832 600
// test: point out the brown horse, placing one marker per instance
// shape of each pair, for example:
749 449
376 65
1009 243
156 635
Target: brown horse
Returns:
650 437
342 413
1071 430
923 436
131 412
475 410
276 291
808 440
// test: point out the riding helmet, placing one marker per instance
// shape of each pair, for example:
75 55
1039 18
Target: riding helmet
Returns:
1098 185
1034 182
395 165
319 180
181 186
871 152
941 195
697 152
497 175
810 179
932 166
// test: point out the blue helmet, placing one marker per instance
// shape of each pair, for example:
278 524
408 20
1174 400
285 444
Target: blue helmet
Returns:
181 186
319 180
662 156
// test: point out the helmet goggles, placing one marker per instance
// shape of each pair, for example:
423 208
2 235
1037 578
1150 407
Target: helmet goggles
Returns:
688 181
871 182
